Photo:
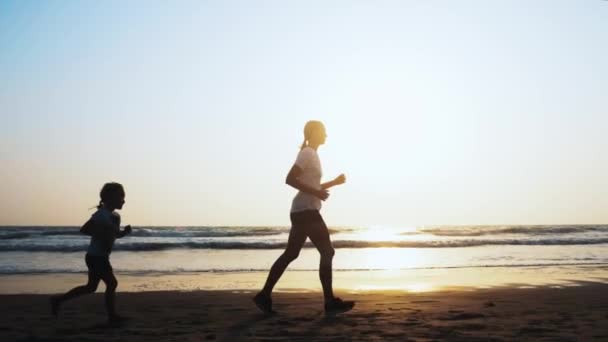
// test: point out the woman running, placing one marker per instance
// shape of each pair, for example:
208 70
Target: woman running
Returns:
306 221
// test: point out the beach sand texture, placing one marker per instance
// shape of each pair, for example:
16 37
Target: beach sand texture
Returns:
576 313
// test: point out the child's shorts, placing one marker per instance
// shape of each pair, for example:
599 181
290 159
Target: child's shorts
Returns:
98 265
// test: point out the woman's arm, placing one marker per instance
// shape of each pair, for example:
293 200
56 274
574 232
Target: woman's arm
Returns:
294 181
341 179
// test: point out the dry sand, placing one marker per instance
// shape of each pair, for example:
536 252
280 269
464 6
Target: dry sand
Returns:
578 313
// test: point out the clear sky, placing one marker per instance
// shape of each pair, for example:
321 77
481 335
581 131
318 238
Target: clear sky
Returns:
439 112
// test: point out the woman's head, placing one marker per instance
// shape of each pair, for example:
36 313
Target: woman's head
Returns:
112 195
314 134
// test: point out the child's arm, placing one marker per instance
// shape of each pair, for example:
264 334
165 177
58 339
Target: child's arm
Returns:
93 228
103 230
126 231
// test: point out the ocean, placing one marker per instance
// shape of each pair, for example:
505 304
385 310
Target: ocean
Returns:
174 250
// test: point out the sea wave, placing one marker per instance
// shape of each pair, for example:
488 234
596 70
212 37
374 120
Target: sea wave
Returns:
507 230
156 246
11 236
151 232
160 232
151 272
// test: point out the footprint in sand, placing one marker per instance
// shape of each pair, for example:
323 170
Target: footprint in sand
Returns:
369 332
304 319
283 322
365 315
424 301
470 327
535 330
411 323
462 316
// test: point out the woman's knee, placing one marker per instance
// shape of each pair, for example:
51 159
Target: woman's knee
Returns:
291 255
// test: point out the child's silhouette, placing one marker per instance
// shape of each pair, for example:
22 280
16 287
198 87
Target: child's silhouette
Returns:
104 228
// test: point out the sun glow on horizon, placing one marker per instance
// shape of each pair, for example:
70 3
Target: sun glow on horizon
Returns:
389 259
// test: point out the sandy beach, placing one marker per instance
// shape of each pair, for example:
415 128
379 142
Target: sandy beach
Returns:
574 313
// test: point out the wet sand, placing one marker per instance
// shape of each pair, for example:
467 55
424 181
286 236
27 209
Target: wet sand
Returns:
575 313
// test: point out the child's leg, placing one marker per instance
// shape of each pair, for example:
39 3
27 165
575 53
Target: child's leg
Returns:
90 287
78 291
111 283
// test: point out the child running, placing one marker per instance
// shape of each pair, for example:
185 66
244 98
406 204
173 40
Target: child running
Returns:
104 228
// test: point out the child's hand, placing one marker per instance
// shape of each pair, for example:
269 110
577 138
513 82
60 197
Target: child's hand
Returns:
128 230
341 179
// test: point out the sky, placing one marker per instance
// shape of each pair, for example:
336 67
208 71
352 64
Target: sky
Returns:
439 112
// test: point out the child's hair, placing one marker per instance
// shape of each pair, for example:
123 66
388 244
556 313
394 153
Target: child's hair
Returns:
310 127
108 191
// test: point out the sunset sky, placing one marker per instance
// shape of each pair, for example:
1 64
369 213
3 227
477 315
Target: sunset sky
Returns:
439 112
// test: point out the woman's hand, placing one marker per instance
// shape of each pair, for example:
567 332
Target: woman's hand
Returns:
341 179
322 194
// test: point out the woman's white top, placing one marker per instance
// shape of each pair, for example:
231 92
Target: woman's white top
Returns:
308 160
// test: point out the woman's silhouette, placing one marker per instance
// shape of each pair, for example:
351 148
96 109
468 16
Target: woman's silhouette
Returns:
306 221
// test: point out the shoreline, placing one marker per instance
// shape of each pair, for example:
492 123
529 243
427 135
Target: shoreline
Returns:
416 280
